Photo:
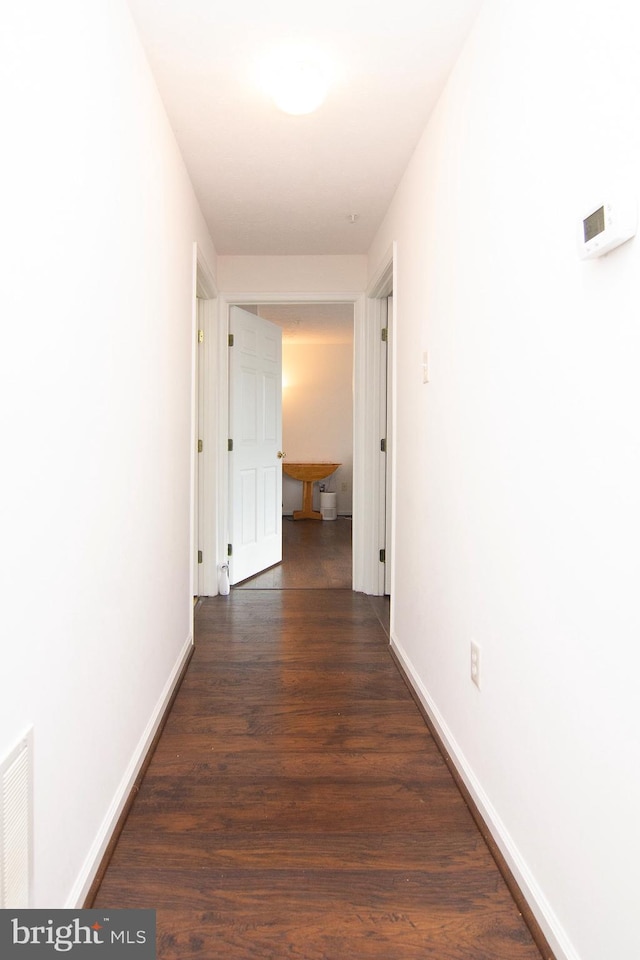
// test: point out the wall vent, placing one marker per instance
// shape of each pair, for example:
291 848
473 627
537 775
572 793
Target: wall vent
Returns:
16 825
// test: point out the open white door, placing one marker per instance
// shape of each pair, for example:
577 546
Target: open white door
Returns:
255 430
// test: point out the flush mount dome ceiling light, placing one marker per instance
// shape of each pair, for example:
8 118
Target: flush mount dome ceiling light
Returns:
297 80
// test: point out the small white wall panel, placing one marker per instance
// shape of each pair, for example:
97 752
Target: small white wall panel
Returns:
15 826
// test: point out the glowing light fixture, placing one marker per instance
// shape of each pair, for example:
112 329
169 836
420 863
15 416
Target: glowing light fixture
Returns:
296 79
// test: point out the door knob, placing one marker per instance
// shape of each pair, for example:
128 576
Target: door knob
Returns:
281 455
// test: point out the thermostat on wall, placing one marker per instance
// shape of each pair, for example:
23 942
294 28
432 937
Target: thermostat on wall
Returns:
607 226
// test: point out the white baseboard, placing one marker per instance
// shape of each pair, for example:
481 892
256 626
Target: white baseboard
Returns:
549 923
81 888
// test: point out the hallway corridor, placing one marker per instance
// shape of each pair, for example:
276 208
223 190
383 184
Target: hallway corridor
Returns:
297 806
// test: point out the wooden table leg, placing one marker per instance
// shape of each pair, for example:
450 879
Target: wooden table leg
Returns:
307 512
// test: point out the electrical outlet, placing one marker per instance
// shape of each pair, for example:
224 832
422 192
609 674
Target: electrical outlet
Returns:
475 664
344 486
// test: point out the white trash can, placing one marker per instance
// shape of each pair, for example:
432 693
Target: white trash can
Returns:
329 506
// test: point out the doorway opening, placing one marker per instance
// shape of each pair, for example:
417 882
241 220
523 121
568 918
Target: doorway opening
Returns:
317 429
368 514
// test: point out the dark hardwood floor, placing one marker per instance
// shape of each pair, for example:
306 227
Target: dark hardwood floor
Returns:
297 808
316 555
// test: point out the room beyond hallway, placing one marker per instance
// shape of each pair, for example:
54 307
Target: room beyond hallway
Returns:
297 805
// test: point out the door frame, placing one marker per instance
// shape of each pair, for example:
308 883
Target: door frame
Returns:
371 427
368 504
204 426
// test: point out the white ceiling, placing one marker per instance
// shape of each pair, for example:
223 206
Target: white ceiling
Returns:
270 183
311 322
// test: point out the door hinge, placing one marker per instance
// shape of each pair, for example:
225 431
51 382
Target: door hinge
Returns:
200 336
199 556
384 334
382 556
199 446
229 549
229 445
383 446
230 339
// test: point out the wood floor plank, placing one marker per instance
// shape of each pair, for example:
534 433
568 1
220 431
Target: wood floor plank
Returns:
297 807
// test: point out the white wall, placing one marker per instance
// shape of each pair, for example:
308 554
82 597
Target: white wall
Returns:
317 416
518 465
292 274
98 223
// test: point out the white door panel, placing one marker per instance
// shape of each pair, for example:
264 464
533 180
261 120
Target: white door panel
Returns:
255 416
